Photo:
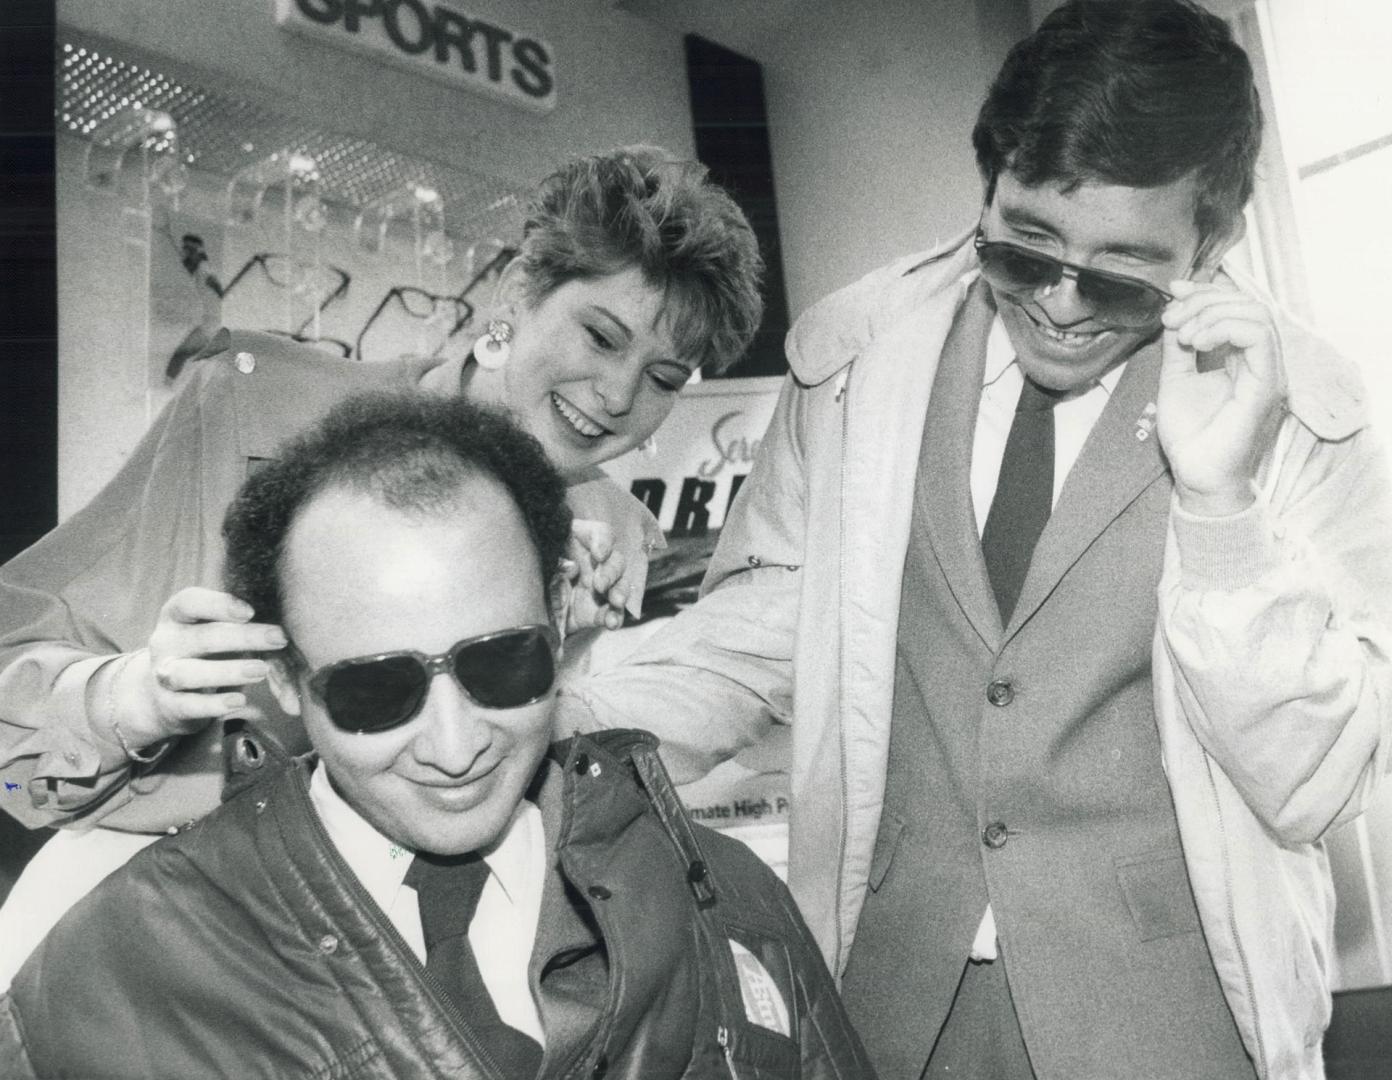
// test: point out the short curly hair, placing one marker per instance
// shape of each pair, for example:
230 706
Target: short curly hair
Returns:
408 451
1138 93
639 206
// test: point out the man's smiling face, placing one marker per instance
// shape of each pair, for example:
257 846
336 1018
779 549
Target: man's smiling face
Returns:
361 578
1146 233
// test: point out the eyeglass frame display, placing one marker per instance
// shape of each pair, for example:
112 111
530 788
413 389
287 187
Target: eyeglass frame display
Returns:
338 345
400 292
260 259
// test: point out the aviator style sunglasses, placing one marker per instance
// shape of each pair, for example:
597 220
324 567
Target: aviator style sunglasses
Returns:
502 670
1118 301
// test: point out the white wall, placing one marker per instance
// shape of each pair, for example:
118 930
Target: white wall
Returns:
871 112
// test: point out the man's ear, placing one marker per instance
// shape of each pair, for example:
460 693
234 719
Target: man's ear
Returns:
283 685
1217 246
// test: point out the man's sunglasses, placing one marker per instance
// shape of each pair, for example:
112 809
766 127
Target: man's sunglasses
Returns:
503 670
1118 301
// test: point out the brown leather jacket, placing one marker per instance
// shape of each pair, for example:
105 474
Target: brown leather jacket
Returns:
244 946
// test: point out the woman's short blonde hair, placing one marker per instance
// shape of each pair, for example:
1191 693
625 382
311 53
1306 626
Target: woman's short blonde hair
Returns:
640 207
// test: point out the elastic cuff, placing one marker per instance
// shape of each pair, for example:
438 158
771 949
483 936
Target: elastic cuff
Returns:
1225 553
67 699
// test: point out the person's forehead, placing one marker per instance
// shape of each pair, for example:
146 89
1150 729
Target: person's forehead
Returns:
671 314
639 302
1157 222
359 576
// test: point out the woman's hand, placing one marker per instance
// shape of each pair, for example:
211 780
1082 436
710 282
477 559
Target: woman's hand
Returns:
188 674
594 567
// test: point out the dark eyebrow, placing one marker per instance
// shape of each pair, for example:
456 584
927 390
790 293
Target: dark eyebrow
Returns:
1146 252
1155 253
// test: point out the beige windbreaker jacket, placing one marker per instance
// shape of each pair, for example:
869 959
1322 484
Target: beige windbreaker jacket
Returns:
1272 677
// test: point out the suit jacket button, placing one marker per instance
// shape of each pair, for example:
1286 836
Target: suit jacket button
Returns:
1000 693
994 835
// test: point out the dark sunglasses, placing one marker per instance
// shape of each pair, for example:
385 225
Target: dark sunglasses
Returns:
503 670
1125 303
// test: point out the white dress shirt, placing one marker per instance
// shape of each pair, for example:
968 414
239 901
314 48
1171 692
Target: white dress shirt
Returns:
1074 418
503 929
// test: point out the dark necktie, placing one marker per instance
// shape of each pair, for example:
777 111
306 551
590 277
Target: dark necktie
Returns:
447 894
1024 497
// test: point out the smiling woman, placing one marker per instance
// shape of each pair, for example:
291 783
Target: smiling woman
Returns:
634 272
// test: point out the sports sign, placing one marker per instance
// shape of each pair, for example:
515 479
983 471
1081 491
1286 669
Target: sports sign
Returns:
435 39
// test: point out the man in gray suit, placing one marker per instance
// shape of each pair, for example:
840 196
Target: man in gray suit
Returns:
1066 556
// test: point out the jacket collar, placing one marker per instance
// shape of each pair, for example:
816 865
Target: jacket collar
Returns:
1325 390
615 889
837 329
943 499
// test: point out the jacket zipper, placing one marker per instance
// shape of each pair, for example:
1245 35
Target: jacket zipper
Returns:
841 392
722 1036
390 932
1262 1069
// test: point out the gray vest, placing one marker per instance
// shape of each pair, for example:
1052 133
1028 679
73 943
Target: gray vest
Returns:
1025 769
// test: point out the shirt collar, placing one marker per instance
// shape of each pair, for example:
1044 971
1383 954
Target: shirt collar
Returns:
381 864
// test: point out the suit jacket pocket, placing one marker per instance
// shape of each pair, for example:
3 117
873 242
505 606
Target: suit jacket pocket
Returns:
1155 886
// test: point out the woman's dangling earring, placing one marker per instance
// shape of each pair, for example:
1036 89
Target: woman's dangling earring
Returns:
492 349
648 447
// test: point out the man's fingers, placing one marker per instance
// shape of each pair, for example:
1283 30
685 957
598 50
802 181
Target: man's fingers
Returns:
1176 359
197 604
1240 333
1193 297
1221 311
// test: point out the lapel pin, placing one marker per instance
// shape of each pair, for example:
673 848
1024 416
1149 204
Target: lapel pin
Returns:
1146 424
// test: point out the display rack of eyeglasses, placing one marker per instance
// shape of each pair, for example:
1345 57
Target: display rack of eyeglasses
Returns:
218 130
445 210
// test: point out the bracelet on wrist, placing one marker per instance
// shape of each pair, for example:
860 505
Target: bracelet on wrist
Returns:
135 757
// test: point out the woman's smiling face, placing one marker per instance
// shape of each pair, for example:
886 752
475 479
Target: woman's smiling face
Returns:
593 368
